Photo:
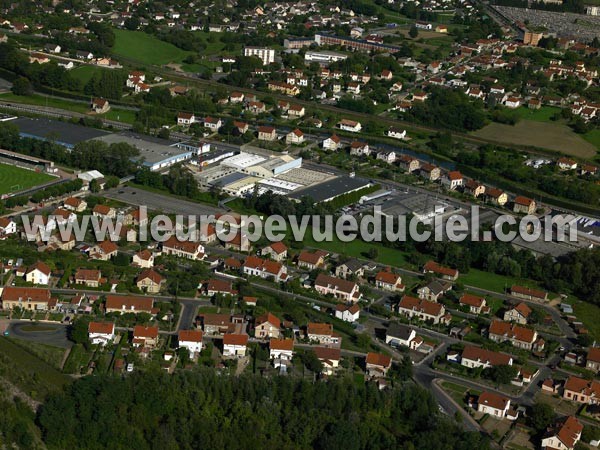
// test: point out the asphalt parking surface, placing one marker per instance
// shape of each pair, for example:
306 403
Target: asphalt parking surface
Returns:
56 337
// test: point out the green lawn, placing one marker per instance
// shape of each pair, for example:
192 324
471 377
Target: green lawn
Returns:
539 115
15 178
85 73
147 49
492 281
588 313
593 137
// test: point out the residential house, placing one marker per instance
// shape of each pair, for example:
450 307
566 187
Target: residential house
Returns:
329 357
524 205
88 277
409 163
277 251
582 391
146 337
434 290
216 286
592 361
386 280
563 435
422 309
25 298
323 334
128 304
519 314
350 268
347 313
358 148
402 335
267 326
234 345
215 324
517 335
212 123
528 294
311 260
266 133
566 164
493 404
100 105
190 339
104 212
144 259
475 357
347 291
440 271
294 137
183 249
264 268
185 119
281 351
476 304
496 196
474 188
429 172
104 251
101 333
452 180
150 281
377 365
7 227
331 143
396 133
75 204
38 273
349 125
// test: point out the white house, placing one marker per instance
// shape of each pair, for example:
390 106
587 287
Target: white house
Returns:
281 350
234 345
39 273
190 339
347 313
101 333
185 119
396 133
332 143
7 226
563 435
350 125
493 404
212 124
452 180
294 137
401 335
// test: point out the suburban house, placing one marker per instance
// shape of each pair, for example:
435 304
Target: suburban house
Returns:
75 204
294 137
311 260
389 281
358 148
475 304
264 268
440 271
422 309
277 251
7 227
377 365
216 286
349 125
396 133
322 333
496 196
234 345
214 323
528 294
104 251
429 172
25 298
101 333
352 267
519 314
329 357
582 391
128 304
340 289
190 339
144 259
409 163
474 357
100 105
104 212
474 188
519 336
452 180
146 337
150 281
592 361
563 435
267 326
212 123
434 290
566 163
402 335
183 249
38 273
524 205
266 133
185 119
88 277
332 143
347 313
281 351
493 404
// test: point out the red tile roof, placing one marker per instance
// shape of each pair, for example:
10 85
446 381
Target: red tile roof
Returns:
281 344
493 400
377 359
190 336
101 327
480 354
140 331
235 339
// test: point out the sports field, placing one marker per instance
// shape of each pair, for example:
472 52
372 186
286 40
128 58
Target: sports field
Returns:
548 135
14 178
146 49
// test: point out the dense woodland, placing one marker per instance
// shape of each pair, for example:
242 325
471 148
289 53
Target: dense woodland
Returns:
192 410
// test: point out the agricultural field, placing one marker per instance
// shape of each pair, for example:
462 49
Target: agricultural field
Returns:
593 137
14 178
551 136
147 49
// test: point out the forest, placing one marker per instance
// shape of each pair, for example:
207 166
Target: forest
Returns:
192 409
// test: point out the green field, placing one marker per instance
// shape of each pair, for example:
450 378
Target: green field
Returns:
593 137
84 73
147 49
15 178
492 281
539 115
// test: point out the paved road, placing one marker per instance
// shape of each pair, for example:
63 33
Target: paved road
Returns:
160 202
57 337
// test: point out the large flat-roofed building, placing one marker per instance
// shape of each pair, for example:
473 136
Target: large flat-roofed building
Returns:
274 166
66 134
242 160
331 189
266 55
324 57
155 153
354 44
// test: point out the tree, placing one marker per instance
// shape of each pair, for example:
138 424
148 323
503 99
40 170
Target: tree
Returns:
311 362
413 32
94 186
22 86
164 133
503 374
78 331
373 253
542 415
